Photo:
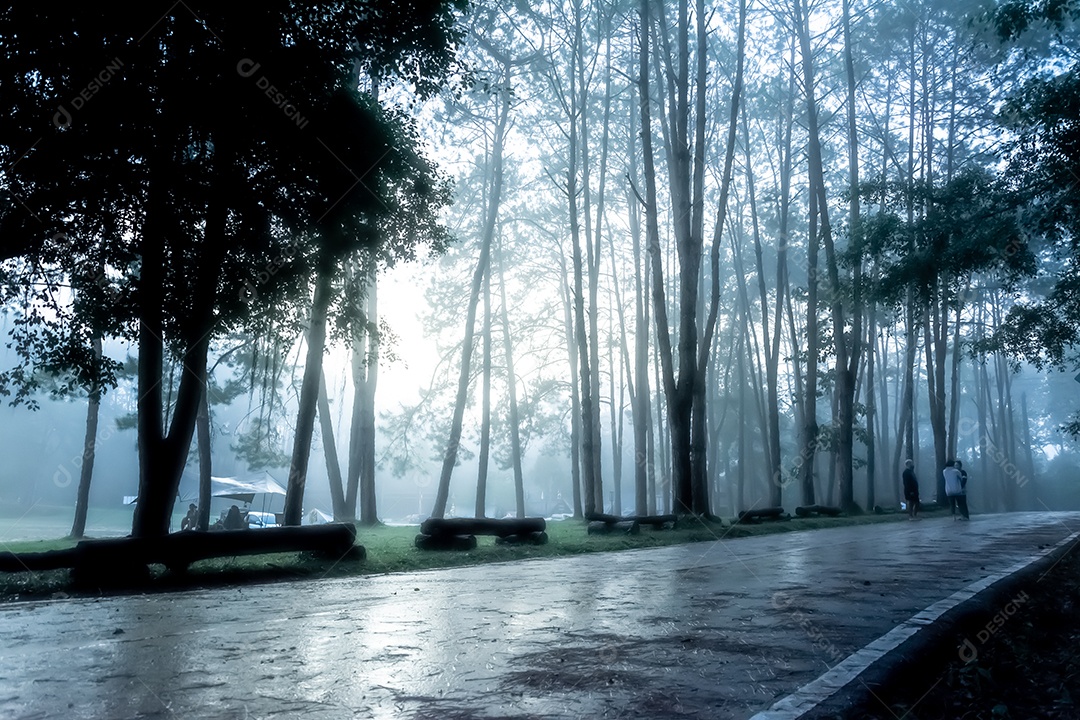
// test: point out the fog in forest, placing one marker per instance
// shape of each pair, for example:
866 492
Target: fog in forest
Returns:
818 247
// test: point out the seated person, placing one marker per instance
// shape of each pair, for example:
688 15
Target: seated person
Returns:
191 520
234 520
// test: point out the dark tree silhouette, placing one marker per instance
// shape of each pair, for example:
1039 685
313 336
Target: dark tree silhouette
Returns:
210 158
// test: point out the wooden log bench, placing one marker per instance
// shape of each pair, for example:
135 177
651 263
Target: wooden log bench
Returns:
605 524
805 511
460 533
37 561
749 517
657 522
127 560
601 527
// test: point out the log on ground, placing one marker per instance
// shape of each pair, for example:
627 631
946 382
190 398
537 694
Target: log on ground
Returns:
445 542
770 513
483 526
627 527
37 561
810 510
116 559
536 538
656 521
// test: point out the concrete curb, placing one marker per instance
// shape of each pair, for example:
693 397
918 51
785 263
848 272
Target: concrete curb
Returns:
915 651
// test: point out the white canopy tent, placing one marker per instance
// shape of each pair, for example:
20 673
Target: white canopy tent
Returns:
246 489
262 485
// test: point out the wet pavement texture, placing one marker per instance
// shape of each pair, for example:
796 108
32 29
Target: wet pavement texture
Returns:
708 630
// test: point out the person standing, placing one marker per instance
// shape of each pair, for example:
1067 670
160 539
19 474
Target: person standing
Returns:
954 490
911 490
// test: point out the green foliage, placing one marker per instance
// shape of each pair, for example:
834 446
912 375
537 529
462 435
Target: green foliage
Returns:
259 445
961 228
234 143
1013 18
1044 116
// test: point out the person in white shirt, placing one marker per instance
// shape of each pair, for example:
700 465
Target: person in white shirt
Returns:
955 491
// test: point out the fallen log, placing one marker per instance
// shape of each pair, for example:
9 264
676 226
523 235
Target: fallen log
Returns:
445 542
37 561
121 559
483 526
809 510
535 538
598 527
769 513
656 521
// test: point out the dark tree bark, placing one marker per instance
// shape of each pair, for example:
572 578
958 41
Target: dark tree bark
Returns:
575 401
309 393
86 469
511 387
846 350
699 433
206 459
162 455
333 465
485 405
368 380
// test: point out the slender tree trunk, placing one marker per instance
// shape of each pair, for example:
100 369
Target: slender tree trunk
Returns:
616 407
511 385
1028 482
590 450
86 469
699 437
770 335
333 464
309 393
809 434
933 336
660 316
575 401
639 379
202 429
594 240
741 480
679 394
369 514
844 355
358 372
783 294
485 405
494 199
854 347
162 456
871 406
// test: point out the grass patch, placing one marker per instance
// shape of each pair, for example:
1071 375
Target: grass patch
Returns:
34 546
390 549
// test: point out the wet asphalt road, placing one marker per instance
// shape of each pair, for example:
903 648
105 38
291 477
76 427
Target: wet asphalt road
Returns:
710 630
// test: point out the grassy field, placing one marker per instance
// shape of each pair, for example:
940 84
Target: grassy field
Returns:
390 549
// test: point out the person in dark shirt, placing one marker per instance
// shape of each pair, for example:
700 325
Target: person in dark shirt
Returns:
911 490
234 520
191 520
